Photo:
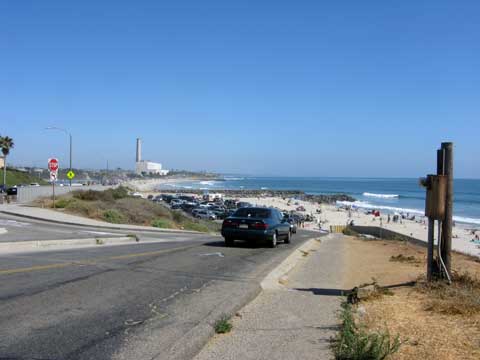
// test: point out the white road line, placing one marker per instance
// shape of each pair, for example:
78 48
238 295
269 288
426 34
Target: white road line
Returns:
13 223
99 232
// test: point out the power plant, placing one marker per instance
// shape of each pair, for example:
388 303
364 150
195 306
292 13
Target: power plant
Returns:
143 167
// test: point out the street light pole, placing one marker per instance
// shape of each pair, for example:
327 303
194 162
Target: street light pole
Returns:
70 137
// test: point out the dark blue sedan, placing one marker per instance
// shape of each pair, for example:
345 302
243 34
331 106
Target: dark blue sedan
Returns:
258 225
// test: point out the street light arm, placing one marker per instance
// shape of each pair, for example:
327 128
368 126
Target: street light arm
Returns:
57 128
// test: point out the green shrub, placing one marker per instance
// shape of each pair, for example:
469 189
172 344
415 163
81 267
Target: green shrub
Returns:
63 202
119 193
108 195
349 231
223 325
113 216
162 223
354 343
178 217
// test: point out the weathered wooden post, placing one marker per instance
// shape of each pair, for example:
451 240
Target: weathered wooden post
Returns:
438 206
447 224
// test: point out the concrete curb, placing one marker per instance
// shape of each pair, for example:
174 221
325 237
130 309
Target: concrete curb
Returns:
153 230
27 246
272 280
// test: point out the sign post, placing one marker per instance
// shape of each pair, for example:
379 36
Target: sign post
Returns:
53 167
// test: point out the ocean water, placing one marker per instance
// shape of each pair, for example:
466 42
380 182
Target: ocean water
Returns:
386 194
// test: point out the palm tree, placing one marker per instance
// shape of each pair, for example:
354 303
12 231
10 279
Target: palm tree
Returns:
6 144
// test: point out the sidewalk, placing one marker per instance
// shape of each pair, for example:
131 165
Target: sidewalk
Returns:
293 322
49 215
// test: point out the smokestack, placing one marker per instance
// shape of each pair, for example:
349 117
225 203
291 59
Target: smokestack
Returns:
139 150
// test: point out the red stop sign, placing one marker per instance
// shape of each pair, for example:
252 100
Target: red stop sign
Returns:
52 164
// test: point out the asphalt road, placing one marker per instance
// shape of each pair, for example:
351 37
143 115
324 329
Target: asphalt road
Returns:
23 229
121 302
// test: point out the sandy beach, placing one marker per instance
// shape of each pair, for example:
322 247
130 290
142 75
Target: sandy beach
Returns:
333 215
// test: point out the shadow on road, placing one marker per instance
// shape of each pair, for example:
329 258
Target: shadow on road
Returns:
327 292
237 244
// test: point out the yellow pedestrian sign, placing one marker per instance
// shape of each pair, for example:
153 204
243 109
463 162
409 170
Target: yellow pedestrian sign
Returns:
70 174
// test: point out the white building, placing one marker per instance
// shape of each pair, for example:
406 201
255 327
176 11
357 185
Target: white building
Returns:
147 167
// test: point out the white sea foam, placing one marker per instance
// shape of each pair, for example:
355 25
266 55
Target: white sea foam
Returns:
367 205
227 178
208 182
264 188
382 196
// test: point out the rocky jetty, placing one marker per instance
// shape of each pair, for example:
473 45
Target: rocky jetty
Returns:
300 195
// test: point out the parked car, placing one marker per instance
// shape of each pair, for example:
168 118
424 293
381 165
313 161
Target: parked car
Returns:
168 198
293 225
243 204
188 206
256 224
205 214
136 195
176 202
187 198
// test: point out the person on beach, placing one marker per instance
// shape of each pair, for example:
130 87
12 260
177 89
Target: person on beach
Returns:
388 219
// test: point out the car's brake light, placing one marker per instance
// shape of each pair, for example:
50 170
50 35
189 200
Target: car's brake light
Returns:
229 223
260 226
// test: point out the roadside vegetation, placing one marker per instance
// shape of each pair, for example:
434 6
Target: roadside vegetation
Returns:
118 207
15 177
223 325
354 342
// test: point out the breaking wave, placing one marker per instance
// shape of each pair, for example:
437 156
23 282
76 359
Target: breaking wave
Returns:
209 183
367 205
382 196
227 178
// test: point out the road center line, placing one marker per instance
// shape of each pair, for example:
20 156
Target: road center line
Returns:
91 262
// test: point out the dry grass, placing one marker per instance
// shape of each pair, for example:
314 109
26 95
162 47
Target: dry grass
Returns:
405 259
462 297
436 321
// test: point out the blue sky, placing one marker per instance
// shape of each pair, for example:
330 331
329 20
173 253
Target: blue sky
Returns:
307 88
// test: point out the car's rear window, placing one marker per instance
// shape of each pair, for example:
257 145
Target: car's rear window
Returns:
253 213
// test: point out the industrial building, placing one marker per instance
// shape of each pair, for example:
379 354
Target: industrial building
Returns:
144 167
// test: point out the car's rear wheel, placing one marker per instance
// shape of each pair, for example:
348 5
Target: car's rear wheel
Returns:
229 242
273 241
288 238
